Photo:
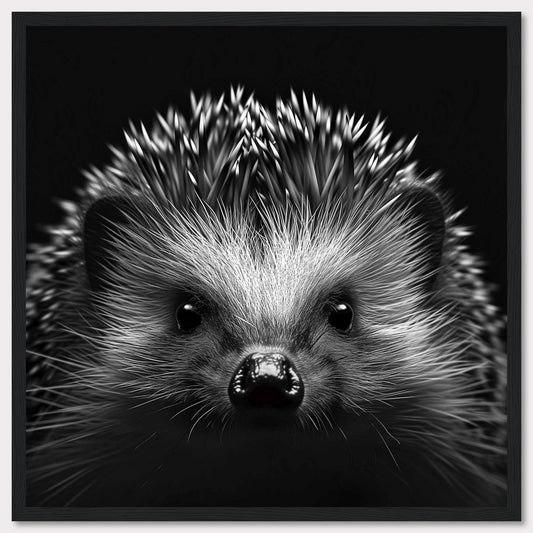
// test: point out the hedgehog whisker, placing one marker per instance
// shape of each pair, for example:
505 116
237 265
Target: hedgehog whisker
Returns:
210 410
386 445
199 402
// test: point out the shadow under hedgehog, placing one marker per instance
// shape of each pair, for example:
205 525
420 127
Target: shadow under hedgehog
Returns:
262 308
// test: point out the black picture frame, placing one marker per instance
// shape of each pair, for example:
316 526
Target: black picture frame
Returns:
511 22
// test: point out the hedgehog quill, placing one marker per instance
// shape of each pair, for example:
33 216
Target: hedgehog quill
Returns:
248 307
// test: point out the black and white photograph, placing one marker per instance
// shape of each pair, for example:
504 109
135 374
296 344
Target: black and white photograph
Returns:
267 265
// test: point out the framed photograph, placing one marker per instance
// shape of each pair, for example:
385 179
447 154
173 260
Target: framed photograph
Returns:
266 266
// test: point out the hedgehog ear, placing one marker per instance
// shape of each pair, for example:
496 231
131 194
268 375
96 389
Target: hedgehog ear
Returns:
424 205
102 220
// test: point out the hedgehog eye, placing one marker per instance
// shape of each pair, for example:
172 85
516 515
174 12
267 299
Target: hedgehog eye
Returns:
341 316
188 317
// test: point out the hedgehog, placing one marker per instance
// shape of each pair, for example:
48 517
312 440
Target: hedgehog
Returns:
250 307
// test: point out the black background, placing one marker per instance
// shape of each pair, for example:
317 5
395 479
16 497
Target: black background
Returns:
446 84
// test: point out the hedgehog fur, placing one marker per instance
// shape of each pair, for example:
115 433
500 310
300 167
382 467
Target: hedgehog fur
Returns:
267 216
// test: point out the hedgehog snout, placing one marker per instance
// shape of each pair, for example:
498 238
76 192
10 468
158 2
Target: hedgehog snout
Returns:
266 380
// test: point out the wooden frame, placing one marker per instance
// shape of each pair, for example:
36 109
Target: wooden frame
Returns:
22 22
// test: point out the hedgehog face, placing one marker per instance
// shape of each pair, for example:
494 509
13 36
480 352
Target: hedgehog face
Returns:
302 312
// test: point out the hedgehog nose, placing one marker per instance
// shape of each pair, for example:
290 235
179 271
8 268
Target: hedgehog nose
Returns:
266 380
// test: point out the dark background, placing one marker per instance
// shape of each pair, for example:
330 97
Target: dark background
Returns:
446 84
